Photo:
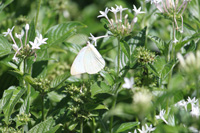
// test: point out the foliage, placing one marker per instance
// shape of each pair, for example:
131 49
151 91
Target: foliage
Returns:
150 82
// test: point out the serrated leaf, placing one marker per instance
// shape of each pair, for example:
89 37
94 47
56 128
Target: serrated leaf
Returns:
43 127
59 80
5 3
5 46
100 87
60 32
159 43
107 77
126 126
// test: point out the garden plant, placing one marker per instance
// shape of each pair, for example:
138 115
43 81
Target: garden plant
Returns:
108 66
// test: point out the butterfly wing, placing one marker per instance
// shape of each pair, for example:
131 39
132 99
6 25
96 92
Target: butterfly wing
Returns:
93 61
78 64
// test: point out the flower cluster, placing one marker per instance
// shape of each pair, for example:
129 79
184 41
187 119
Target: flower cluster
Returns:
144 56
172 8
120 25
195 111
191 64
145 129
24 50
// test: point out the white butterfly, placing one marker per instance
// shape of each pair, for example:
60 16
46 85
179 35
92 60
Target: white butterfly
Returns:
88 61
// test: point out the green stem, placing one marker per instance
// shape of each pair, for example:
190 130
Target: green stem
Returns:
118 56
38 10
81 126
118 86
42 107
197 86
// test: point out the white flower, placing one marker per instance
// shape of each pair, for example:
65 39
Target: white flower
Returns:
41 40
9 31
150 128
19 36
146 129
115 12
35 44
195 111
143 130
15 47
128 83
161 116
137 11
175 40
121 9
94 39
104 14
15 58
27 27
181 103
192 101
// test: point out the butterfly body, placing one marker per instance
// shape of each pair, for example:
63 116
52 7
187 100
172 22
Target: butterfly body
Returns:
88 61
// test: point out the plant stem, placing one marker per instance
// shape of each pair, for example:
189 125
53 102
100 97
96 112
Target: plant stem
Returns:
81 126
42 107
38 10
197 86
118 86
118 56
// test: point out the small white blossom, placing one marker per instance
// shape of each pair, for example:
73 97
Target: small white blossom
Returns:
9 31
146 129
182 103
104 14
137 11
27 27
19 36
192 101
128 83
94 39
195 111
37 42
41 40
161 116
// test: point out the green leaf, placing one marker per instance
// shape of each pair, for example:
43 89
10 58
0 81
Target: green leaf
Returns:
100 87
125 48
16 94
107 77
182 43
73 126
24 109
159 43
126 126
138 40
59 80
43 127
60 32
5 46
31 32
5 3
54 129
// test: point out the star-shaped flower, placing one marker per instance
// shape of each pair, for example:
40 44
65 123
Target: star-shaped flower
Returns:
128 83
94 39
137 11
9 31
161 116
